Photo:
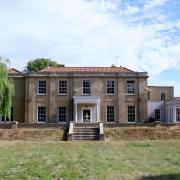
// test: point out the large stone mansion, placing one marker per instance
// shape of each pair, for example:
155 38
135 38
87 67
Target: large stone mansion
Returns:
90 94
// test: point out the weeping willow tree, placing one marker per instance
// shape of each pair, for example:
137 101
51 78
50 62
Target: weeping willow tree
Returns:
6 89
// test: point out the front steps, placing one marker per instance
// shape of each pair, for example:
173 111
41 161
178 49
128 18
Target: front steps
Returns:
85 131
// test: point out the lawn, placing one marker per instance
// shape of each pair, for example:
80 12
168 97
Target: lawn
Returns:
90 160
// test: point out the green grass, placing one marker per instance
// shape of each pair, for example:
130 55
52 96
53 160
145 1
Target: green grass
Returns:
90 160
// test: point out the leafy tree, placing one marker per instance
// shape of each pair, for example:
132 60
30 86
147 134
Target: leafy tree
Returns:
6 89
39 64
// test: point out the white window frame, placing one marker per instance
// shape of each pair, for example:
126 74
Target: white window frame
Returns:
64 114
62 94
42 94
38 115
131 88
86 94
107 114
131 122
111 87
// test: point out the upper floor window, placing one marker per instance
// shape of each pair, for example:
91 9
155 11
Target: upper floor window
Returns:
86 87
131 114
62 114
41 87
41 114
157 114
62 87
162 96
130 87
110 114
110 87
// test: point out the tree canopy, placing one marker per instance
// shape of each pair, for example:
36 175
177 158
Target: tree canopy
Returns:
39 64
6 89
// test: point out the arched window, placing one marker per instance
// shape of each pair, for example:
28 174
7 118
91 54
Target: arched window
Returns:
162 96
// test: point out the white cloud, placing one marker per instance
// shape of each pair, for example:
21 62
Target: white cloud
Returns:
82 33
154 3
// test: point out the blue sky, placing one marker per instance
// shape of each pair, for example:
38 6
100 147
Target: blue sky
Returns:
143 35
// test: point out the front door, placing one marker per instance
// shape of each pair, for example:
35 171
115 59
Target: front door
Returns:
86 115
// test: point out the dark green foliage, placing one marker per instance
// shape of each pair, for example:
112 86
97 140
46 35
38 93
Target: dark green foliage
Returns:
6 89
39 64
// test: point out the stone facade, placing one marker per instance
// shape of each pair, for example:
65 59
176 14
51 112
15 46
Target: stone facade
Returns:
158 96
27 100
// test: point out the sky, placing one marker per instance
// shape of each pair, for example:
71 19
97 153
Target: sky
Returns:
142 35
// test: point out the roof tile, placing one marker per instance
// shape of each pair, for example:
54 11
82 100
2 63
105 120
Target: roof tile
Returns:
86 69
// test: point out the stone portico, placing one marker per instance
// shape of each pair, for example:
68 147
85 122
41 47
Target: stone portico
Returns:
86 109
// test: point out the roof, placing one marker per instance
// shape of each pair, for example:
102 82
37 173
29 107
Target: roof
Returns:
14 71
112 69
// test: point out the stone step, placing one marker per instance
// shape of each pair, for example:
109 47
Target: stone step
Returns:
93 125
85 130
85 137
85 133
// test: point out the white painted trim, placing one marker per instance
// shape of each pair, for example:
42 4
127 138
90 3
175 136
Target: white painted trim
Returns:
82 88
37 115
110 94
61 94
37 88
106 115
135 116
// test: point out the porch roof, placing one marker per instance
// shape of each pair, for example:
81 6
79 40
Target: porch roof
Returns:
86 99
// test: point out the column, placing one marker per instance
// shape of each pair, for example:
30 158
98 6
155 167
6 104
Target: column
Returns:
98 112
75 112
174 114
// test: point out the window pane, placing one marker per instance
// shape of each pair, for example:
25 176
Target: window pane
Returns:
62 114
178 114
41 114
110 113
42 87
131 114
110 87
157 114
130 87
87 87
62 87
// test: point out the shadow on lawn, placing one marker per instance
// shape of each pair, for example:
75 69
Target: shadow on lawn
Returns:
164 177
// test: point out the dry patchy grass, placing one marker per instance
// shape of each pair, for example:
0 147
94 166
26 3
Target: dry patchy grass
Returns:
142 133
31 134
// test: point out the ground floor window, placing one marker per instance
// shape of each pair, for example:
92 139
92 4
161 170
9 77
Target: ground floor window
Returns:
62 114
178 114
131 114
41 114
110 113
157 114
6 119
